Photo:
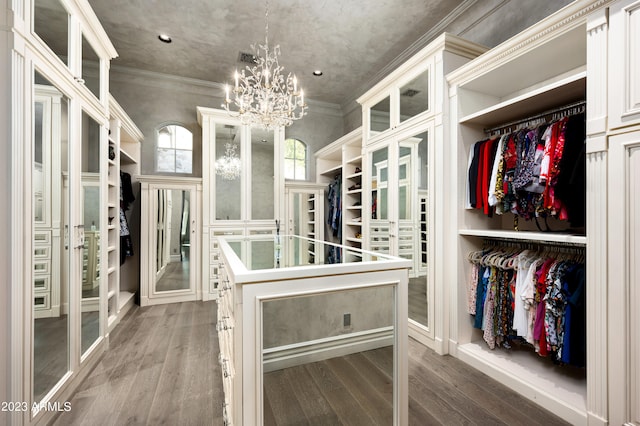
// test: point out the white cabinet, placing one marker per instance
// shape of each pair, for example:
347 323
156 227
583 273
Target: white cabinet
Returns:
245 205
405 145
623 186
624 63
504 89
624 276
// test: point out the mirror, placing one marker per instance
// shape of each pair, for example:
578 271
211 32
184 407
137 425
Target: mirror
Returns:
314 369
379 224
416 223
262 174
50 257
90 68
173 239
90 181
380 116
228 192
414 97
51 24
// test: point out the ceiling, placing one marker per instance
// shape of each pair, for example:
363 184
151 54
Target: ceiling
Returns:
349 40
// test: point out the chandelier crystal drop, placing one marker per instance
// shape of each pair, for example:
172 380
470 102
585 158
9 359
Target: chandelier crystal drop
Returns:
262 95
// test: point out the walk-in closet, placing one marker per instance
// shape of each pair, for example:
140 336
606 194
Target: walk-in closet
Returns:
432 222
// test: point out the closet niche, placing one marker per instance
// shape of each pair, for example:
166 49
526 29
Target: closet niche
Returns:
50 259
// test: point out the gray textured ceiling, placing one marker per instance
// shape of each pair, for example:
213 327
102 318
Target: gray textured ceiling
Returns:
349 40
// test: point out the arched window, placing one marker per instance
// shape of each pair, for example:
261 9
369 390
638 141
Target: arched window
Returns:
295 159
174 150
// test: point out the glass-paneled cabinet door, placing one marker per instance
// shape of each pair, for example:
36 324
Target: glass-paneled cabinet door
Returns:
414 96
263 177
91 215
228 183
50 222
379 224
380 116
91 69
51 24
413 176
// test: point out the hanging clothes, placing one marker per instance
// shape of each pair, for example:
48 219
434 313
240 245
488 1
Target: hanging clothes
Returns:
334 206
126 198
532 172
532 297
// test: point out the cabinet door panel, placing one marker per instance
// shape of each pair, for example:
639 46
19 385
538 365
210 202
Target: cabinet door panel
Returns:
624 63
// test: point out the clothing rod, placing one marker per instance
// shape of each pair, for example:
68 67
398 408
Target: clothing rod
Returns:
536 117
493 240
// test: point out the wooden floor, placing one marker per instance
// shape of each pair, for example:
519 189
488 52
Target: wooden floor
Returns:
162 369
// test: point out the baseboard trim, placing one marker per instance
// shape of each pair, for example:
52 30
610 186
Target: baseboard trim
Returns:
321 349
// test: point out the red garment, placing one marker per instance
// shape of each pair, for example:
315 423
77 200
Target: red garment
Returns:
487 159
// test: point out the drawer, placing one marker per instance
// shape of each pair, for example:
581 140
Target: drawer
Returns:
42 252
41 283
42 237
41 301
42 266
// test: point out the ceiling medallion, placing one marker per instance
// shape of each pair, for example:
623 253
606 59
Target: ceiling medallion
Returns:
262 95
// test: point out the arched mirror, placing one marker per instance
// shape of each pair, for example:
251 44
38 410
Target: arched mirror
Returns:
50 273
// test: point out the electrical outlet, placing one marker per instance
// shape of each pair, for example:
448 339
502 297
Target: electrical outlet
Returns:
346 320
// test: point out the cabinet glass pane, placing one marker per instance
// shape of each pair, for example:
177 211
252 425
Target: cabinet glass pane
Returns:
90 264
380 116
262 174
51 24
414 96
419 286
90 68
228 191
50 252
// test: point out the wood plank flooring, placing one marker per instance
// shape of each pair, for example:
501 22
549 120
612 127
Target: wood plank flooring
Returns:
162 369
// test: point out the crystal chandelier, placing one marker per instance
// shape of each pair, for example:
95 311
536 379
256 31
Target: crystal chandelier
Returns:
262 95
229 165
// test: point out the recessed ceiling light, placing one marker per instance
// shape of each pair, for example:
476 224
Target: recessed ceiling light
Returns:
164 38
317 73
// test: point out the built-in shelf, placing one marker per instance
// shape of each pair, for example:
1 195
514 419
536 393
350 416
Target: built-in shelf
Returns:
354 240
332 170
355 175
355 160
111 293
556 93
126 158
353 207
526 236
354 191
111 270
354 223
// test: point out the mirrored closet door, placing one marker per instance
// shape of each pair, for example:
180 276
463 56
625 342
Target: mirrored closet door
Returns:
50 219
91 211
398 175
169 240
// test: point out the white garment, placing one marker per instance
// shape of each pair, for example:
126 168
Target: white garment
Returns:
493 199
520 314
528 296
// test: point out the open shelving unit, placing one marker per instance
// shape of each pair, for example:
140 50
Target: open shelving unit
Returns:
343 158
498 88
124 153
